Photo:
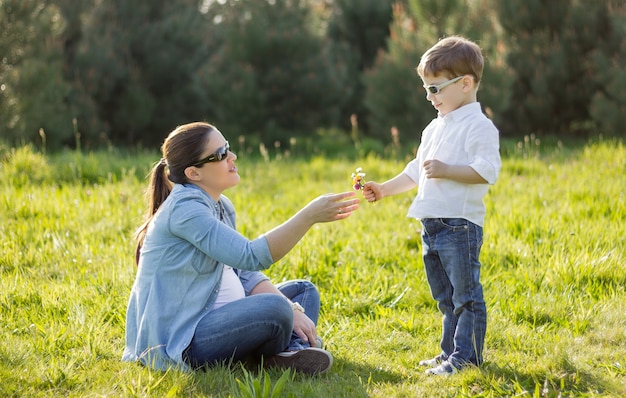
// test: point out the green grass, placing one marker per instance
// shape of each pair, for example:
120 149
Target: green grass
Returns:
554 273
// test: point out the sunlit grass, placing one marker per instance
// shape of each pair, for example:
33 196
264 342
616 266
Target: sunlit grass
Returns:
554 272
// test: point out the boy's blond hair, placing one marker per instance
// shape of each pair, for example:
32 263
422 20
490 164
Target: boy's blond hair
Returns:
452 56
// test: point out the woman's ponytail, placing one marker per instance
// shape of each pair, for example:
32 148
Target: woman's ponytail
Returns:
158 190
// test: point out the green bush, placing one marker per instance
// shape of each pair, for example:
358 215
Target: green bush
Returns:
23 166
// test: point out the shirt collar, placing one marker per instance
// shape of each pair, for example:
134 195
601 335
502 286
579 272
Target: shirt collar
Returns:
462 112
208 197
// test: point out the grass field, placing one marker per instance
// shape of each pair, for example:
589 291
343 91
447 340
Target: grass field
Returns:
554 274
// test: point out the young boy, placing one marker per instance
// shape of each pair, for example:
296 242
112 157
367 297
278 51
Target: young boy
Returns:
457 159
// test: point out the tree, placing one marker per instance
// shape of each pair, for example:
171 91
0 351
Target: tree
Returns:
394 96
359 30
608 103
277 78
32 88
551 48
138 64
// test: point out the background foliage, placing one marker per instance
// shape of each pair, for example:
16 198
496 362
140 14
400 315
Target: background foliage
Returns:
98 73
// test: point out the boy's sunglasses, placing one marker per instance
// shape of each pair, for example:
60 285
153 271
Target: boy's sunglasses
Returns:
216 156
436 89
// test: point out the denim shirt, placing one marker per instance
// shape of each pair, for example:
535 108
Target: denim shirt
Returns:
179 274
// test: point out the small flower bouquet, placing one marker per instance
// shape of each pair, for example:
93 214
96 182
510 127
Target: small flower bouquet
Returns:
357 179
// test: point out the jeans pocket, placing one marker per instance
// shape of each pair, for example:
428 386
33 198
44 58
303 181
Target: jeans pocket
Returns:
455 224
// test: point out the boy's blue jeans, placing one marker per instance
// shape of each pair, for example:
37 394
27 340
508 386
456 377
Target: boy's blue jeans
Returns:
451 247
255 325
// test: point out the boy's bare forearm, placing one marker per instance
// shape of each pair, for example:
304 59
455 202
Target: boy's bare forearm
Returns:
463 174
399 184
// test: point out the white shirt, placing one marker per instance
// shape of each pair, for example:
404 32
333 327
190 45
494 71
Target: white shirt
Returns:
464 136
231 288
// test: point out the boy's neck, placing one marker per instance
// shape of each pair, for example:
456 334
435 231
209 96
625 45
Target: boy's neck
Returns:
469 99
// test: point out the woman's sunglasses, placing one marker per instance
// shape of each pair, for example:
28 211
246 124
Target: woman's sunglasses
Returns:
216 156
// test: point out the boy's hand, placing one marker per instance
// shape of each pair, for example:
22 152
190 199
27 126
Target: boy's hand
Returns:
459 173
372 191
435 169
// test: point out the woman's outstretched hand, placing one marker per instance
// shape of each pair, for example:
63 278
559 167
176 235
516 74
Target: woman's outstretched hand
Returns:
331 207
324 208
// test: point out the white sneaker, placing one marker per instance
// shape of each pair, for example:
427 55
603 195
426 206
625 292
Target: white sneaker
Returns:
309 360
444 369
433 362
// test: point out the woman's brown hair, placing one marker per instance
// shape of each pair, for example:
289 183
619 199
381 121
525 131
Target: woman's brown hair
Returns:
182 148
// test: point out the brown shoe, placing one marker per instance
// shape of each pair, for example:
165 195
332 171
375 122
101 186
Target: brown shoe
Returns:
309 360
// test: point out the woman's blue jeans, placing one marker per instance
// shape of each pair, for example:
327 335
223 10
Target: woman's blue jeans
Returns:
451 247
256 325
